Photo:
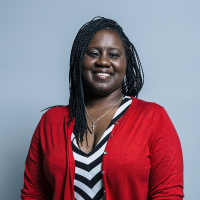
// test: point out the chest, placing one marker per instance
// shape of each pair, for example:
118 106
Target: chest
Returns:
97 128
128 155
127 149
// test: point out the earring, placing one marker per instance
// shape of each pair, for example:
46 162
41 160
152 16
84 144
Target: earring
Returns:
125 78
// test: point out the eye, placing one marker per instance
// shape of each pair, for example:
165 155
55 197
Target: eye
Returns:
114 55
93 54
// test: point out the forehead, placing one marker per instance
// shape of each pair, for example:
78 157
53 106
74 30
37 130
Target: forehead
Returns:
106 37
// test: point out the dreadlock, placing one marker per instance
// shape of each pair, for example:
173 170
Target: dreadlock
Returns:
133 80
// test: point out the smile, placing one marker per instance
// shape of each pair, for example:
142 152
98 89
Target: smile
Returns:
102 74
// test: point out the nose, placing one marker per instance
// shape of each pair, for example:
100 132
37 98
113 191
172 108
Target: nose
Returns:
103 61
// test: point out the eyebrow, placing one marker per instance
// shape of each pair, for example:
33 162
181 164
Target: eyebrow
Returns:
111 48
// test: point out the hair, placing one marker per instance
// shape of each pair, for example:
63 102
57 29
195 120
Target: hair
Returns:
133 80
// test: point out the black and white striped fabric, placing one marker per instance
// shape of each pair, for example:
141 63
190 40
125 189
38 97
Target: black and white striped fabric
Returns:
88 183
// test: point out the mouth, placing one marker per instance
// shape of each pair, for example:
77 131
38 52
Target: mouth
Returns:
102 75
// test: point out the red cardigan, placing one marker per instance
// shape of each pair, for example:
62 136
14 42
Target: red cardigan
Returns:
143 160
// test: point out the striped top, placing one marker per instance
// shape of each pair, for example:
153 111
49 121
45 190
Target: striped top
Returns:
88 183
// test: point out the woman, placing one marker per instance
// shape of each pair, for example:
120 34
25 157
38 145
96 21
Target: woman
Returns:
106 144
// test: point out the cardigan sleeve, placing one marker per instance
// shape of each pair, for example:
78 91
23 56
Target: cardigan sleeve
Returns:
36 185
166 175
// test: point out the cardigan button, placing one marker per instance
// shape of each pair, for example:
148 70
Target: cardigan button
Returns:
116 122
104 152
111 136
102 172
104 191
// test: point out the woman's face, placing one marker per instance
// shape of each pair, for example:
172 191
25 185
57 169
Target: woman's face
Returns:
104 64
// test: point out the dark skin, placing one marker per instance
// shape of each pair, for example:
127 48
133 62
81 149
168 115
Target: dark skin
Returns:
104 67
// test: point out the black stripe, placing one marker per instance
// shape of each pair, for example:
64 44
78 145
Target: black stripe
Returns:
85 196
125 100
82 193
120 114
90 183
99 145
90 166
96 148
99 194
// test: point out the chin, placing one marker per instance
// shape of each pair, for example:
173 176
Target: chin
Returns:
101 89
101 92
96 92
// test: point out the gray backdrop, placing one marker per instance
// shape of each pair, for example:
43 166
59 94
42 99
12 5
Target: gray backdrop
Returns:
35 41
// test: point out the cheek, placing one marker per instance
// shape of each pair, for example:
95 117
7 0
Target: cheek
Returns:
88 62
85 75
121 68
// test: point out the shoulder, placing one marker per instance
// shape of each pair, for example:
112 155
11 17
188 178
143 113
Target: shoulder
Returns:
157 116
54 110
56 113
148 112
145 106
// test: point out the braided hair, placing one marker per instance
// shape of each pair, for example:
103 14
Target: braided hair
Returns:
133 80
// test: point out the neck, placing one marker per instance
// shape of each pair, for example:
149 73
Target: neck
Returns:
92 101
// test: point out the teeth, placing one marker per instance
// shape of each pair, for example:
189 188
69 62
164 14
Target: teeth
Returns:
103 74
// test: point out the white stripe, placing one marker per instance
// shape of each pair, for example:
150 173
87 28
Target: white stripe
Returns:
72 136
88 175
122 108
106 133
90 192
127 97
98 186
77 196
91 158
74 140
83 187
102 137
119 110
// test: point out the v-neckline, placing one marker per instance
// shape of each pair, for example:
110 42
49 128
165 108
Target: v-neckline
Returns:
103 135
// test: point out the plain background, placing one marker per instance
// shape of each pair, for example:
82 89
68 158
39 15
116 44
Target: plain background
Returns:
35 42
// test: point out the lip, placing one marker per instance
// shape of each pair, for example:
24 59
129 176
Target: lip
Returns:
103 74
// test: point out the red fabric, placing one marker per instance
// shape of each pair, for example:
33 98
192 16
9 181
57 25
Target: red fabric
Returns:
143 160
